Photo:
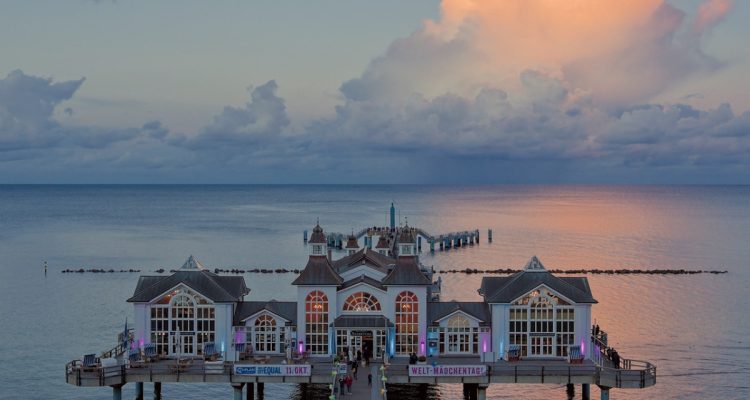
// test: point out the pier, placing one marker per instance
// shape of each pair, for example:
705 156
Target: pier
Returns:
370 306
633 374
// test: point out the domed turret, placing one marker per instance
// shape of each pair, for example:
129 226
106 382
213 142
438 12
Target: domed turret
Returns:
352 245
317 241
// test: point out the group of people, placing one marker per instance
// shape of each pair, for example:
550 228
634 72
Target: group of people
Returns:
613 356
345 383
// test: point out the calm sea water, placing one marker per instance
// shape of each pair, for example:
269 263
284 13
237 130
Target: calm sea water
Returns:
695 328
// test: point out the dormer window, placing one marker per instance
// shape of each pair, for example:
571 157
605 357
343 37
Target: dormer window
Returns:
406 250
317 250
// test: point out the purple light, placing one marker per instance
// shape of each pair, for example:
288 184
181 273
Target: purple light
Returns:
301 347
583 347
421 346
484 344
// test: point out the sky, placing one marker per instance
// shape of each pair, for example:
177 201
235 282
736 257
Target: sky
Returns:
424 91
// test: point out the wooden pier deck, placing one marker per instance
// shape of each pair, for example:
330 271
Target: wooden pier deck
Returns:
636 375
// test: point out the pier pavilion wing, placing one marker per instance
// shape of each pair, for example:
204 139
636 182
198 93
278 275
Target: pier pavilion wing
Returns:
458 328
180 312
541 314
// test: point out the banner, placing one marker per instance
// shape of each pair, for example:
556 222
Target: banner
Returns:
447 370
273 370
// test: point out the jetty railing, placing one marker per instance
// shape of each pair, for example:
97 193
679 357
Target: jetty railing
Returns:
633 374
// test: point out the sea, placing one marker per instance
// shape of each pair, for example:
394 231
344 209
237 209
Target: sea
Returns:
695 328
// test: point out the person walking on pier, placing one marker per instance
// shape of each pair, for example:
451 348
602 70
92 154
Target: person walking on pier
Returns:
342 386
355 367
369 379
348 380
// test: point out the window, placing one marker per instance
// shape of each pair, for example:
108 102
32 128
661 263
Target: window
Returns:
317 249
362 302
316 322
265 334
459 334
518 329
407 323
185 312
406 250
542 324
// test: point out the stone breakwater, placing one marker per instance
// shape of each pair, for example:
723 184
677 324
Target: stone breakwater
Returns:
595 271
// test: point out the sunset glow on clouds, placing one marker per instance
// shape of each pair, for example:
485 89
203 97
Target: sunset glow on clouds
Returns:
555 90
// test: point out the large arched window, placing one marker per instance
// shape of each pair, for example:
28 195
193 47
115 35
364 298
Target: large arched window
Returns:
407 323
316 322
459 334
181 321
265 334
542 324
362 302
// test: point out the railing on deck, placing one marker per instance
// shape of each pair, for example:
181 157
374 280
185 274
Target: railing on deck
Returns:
634 373
121 348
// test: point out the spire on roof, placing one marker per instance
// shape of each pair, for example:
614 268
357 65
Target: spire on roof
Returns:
317 234
534 265
192 264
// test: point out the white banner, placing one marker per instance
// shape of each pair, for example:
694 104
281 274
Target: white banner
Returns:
273 370
447 370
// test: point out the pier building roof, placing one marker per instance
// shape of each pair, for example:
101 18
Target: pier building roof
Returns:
406 236
284 309
382 243
437 311
497 289
214 287
363 279
351 242
364 256
317 237
406 272
318 271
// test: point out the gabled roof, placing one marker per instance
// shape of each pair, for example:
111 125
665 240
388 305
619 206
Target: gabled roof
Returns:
317 236
364 256
439 310
406 272
284 309
508 289
318 271
362 279
217 288
361 321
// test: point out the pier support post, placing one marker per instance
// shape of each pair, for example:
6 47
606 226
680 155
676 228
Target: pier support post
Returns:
419 243
605 392
116 392
432 245
139 391
489 235
570 390
481 392
237 390
157 390
586 391
251 391
260 390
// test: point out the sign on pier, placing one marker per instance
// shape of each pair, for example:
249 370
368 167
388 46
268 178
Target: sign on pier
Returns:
272 370
447 370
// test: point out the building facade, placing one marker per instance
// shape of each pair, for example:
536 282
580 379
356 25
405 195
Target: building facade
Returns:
372 302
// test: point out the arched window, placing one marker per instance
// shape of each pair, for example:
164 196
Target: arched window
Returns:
316 322
407 323
181 321
459 334
361 302
265 334
544 322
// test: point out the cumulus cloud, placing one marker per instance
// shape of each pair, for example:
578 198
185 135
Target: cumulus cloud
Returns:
27 123
527 87
260 121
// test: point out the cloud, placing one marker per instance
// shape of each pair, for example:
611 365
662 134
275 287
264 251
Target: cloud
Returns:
541 90
261 120
27 123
